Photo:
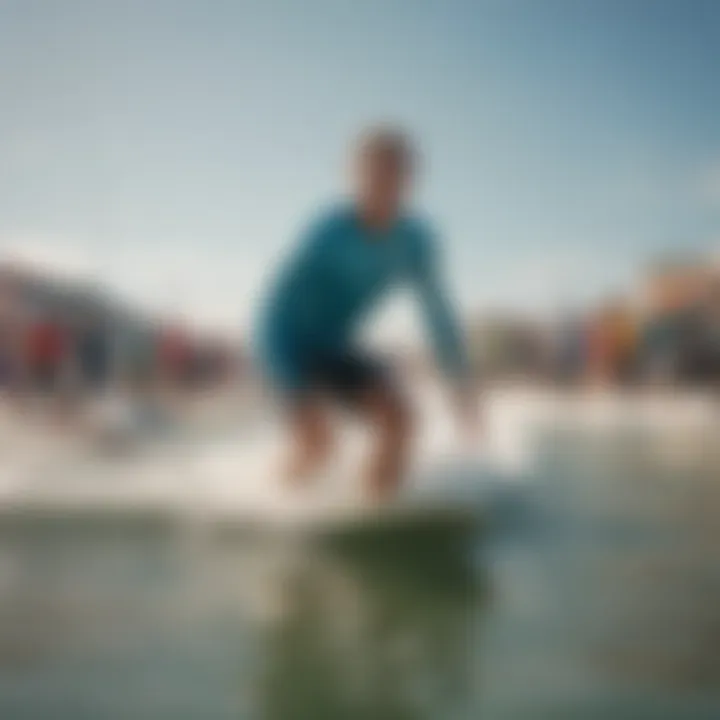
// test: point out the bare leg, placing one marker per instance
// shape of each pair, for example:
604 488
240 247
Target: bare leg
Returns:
311 442
391 423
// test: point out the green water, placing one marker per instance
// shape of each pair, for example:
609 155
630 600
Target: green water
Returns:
593 593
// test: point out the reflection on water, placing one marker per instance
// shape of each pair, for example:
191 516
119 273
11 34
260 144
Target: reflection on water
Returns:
594 593
142 623
371 641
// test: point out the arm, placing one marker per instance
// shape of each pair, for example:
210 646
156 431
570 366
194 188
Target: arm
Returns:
440 317
292 303
292 293
448 343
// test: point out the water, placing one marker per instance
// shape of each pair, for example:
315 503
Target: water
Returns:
594 592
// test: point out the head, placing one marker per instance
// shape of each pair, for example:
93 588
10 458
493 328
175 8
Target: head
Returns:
384 161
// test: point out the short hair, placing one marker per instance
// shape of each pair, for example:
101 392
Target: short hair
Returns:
390 141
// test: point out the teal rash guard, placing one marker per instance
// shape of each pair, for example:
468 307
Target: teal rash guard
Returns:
339 272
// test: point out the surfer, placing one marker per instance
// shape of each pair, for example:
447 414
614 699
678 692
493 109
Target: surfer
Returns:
346 262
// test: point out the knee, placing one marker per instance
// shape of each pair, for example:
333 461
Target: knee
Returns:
318 442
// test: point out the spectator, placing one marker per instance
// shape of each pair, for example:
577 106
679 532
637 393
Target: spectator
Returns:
175 356
46 354
92 349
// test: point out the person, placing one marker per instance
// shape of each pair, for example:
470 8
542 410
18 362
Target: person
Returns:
92 346
47 351
175 356
306 332
10 340
571 349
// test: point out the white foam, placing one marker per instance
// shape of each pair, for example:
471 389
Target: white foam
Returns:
237 476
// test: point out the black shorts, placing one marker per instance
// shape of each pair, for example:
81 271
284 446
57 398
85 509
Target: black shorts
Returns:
346 376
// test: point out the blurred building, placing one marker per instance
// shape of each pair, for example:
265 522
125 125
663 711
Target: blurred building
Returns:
57 326
677 283
503 346
681 319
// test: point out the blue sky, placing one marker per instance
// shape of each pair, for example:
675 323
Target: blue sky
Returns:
174 148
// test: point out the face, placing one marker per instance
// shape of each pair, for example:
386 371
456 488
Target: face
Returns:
383 182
